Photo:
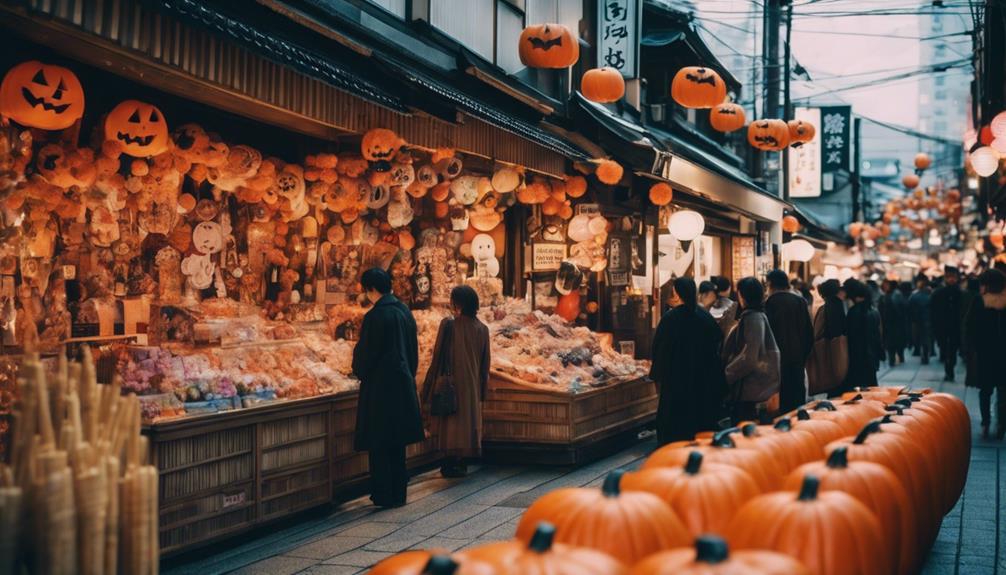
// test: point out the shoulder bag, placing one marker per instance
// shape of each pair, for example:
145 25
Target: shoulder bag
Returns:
828 363
445 396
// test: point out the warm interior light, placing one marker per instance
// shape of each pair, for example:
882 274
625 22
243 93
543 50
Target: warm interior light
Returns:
985 161
798 250
686 225
998 125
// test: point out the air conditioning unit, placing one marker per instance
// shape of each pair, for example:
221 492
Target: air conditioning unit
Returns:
657 112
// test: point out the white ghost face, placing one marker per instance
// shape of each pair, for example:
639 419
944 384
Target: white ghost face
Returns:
208 238
423 284
483 247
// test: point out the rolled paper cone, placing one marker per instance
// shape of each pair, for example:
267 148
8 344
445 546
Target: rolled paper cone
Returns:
36 374
111 561
153 537
10 525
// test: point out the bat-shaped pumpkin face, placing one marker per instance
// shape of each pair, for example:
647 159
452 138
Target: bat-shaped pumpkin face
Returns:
139 127
727 117
41 96
548 46
697 87
768 135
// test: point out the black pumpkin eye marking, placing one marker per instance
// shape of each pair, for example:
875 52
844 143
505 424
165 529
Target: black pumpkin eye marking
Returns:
711 80
135 117
58 94
545 44
40 79
728 112
154 117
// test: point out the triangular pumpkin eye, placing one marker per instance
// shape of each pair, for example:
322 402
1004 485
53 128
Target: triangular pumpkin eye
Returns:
40 79
135 117
61 87
154 117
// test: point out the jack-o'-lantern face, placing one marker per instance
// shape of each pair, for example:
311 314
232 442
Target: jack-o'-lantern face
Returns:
140 127
380 145
41 96
698 87
548 46
208 238
727 117
290 183
768 135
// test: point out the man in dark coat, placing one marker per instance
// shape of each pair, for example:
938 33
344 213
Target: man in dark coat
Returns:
863 333
918 311
986 327
687 367
893 319
387 416
789 318
945 313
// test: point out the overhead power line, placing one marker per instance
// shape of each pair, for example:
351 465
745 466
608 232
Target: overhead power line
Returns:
939 68
911 131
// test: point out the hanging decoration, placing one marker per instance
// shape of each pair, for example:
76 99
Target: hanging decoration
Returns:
727 117
602 85
768 135
43 96
661 194
698 87
922 161
548 46
985 161
608 171
576 186
910 181
800 132
855 229
140 128
790 224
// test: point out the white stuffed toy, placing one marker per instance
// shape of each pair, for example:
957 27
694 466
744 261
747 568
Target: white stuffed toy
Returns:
484 254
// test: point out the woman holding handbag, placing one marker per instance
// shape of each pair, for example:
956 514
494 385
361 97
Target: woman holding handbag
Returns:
829 360
751 357
457 381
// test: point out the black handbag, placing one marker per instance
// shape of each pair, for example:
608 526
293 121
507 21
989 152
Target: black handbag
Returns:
445 396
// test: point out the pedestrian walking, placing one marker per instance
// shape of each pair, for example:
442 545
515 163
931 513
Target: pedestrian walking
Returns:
945 313
971 296
789 318
457 383
707 295
863 333
918 312
986 326
751 356
893 310
687 367
387 415
724 310
828 363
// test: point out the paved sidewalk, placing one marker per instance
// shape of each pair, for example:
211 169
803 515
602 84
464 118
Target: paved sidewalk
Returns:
486 505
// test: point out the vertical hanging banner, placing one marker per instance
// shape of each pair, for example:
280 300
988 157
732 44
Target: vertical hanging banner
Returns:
805 161
836 142
618 24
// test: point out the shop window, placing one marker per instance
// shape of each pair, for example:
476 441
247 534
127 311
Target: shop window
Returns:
470 22
509 25
396 7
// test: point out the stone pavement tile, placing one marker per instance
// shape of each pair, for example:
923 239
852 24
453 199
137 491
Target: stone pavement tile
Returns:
445 518
504 531
371 529
278 565
447 543
328 547
481 523
332 570
395 542
439 500
481 541
523 481
983 538
358 558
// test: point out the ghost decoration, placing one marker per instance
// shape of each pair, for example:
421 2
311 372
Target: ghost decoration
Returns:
483 250
200 270
400 213
402 175
465 190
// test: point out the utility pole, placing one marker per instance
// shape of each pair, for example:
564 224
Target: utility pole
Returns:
857 181
787 109
770 62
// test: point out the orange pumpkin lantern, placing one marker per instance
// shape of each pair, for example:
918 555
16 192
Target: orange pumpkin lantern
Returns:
922 161
910 181
602 85
698 87
800 132
576 186
380 145
712 556
855 229
661 194
140 127
548 46
790 224
41 96
768 135
608 171
727 117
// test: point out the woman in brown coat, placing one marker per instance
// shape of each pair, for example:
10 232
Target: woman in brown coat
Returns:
465 340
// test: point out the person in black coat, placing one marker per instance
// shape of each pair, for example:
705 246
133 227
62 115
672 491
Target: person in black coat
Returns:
986 333
894 320
918 312
945 314
789 318
387 416
687 367
863 333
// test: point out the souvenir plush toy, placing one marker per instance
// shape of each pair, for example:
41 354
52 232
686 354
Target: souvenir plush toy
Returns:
41 96
104 228
242 163
351 165
140 127
66 167
484 253
379 146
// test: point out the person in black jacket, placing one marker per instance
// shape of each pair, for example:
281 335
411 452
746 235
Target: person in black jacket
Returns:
687 367
945 314
789 318
387 416
863 334
986 327
918 312
893 317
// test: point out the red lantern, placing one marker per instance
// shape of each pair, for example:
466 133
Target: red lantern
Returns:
985 136
790 225
569 306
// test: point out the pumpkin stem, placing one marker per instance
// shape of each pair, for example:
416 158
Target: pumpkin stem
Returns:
802 415
541 541
711 549
900 409
440 565
839 458
854 399
825 405
868 430
611 483
694 463
784 425
723 439
808 491
749 430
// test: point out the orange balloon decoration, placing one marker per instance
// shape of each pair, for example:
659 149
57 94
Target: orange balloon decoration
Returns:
910 181
800 132
768 135
922 161
727 117
548 46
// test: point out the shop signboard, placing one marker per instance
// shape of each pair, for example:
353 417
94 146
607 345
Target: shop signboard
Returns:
618 25
547 256
805 161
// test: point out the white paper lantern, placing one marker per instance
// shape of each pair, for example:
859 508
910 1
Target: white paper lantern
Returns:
999 145
985 161
998 125
798 250
686 225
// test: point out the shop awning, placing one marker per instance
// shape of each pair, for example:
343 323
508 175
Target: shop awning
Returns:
813 229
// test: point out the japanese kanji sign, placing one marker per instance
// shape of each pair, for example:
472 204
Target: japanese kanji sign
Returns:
618 35
805 161
835 134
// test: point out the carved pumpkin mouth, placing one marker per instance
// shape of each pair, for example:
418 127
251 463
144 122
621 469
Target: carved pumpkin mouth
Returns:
545 45
767 140
36 101
130 139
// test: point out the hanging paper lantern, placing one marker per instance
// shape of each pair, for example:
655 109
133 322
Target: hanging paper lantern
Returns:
608 171
999 145
661 194
790 224
855 229
576 186
985 161
800 132
798 250
602 85
998 125
910 181
686 225
768 135
41 96
922 161
727 117
548 46
697 87
985 135
140 127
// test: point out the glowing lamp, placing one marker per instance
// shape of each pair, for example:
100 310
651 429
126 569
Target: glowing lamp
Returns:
985 161
798 250
685 226
998 125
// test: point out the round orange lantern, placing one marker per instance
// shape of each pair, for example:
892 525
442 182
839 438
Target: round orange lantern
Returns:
855 229
661 194
41 96
727 117
790 224
768 135
698 87
800 132
608 172
548 46
922 161
602 85
910 181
